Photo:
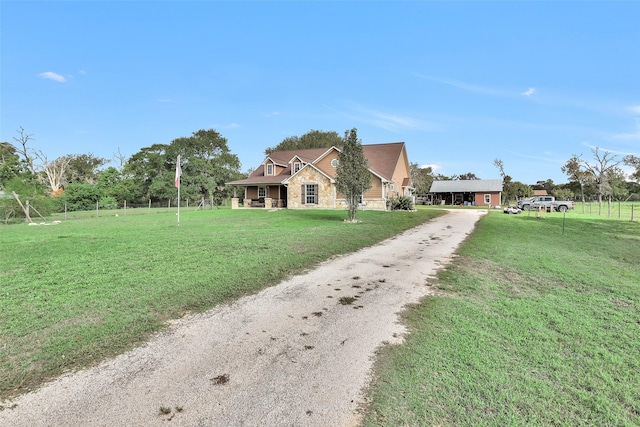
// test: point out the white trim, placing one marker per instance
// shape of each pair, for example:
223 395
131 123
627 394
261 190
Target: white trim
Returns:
309 165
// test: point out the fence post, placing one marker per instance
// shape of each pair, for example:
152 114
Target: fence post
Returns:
149 204
125 208
632 213
97 210
619 209
65 211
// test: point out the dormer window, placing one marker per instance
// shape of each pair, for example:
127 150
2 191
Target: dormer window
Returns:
269 169
297 166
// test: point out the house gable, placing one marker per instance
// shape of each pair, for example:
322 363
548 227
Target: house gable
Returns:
292 169
310 175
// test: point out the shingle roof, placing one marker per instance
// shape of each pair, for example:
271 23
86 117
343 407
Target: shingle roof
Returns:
382 159
466 186
308 155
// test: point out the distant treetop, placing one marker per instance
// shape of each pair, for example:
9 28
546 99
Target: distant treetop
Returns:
311 139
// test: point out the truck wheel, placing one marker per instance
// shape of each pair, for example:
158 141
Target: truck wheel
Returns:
562 208
525 207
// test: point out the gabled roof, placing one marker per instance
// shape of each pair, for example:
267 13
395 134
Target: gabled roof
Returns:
382 159
466 186
308 155
310 165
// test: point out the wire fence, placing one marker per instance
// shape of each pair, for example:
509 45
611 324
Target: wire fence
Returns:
610 209
32 212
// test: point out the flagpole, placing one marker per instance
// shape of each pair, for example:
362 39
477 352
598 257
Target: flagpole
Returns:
177 182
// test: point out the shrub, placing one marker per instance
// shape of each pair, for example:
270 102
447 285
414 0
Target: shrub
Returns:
108 202
401 204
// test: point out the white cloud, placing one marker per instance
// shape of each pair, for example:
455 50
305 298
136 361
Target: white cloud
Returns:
529 91
629 136
392 122
275 113
486 90
52 76
232 126
634 109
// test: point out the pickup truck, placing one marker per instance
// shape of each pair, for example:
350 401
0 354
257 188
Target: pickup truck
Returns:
546 203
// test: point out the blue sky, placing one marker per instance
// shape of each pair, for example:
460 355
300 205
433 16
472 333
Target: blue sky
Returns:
461 83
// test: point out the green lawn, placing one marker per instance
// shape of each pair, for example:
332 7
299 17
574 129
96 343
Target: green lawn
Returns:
75 293
529 327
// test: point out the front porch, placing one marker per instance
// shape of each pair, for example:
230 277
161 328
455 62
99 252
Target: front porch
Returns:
260 197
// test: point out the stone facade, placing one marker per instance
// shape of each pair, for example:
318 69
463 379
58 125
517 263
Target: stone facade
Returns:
309 175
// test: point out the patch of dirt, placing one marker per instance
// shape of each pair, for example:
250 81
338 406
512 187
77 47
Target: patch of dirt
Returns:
288 355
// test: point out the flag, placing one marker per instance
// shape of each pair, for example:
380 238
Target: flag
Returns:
178 172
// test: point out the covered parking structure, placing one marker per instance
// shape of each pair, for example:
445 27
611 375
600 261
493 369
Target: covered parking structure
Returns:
476 192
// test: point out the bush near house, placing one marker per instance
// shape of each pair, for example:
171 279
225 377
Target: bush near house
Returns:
401 204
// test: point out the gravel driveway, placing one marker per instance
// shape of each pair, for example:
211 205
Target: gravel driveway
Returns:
297 354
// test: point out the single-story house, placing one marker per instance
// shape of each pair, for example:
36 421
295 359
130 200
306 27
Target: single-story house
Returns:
474 192
540 193
306 179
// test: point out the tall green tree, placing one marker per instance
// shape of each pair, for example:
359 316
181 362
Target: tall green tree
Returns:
207 163
10 164
601 170
353 175
422 178
515 190
546 185
577 174
311 139
145 167
511 190
634 162
469 176
84 168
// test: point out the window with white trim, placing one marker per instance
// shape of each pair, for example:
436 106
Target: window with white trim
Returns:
262 192
487 199
297 166
334 163
309 194
269 168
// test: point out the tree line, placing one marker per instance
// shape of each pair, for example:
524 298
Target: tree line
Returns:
79 181
597 179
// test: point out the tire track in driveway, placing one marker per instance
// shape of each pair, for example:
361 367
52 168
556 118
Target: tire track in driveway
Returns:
296 354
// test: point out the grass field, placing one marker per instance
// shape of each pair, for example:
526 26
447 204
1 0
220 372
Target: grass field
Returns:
75 293
530 327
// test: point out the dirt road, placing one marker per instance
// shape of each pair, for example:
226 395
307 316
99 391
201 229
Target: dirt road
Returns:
297 354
